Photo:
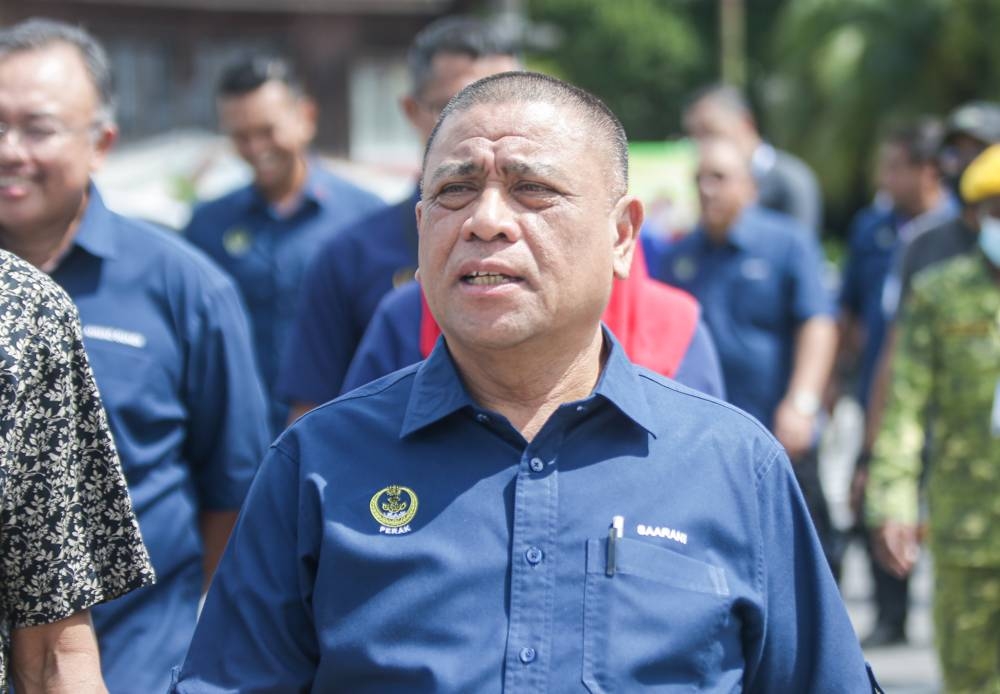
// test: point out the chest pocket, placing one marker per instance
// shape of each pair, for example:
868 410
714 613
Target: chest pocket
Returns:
657 620
756 293
137 392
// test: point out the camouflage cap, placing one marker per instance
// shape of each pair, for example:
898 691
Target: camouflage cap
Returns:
981 179
979 120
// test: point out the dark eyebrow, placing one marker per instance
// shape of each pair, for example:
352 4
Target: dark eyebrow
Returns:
449 169
522 168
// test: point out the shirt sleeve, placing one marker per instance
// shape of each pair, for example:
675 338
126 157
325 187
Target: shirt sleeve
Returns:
228 427
323 340
69 538
256 631
804 200
391 341
700 368
894 470
802 641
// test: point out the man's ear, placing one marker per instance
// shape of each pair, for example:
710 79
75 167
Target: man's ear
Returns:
411 109
105 139
310 116
628 215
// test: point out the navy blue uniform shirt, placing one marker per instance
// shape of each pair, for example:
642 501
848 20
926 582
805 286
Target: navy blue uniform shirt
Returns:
392 341
343 286
267 253
168 341
402 538
872 246
755 292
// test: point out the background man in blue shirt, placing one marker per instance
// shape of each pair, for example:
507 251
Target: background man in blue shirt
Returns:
758 276
527 510
909 177
265 234
164 330
354 271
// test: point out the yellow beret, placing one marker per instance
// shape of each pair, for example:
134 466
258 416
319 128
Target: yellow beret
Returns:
981 179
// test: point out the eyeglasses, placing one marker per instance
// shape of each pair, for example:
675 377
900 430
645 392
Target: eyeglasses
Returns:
35 136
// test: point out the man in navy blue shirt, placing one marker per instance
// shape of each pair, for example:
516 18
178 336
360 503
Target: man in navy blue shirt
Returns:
527 510
758 276
164 330
265 234
352 272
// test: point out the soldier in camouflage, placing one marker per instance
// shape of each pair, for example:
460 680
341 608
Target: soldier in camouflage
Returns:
948 356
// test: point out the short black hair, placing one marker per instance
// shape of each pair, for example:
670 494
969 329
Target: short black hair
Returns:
457 34
533 87
36 33
921 138
251 72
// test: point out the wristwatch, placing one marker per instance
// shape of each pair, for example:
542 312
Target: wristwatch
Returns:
805 403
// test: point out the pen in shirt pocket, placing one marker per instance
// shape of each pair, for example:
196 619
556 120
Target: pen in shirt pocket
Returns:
614 534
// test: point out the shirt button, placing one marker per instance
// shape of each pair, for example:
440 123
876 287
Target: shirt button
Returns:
533 555
527 655
537 464
580 408
482 418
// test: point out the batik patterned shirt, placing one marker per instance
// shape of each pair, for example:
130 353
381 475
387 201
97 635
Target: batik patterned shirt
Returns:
68 537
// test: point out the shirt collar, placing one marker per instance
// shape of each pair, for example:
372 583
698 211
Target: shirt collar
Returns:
95 233
315 191
740 233
438 390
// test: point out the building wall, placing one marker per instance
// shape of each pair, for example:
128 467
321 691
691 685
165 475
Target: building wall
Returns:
167 60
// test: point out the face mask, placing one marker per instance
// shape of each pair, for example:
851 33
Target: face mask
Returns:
989 239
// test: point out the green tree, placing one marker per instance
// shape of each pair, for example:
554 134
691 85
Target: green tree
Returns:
840 69
641 56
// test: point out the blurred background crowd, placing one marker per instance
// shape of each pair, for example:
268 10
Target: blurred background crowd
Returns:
806 165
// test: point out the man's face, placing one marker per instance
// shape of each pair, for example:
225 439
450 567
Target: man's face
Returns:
521 233
452 72
53 144
901 178
271 129
725 186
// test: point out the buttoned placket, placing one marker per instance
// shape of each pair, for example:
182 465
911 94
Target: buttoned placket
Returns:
532 584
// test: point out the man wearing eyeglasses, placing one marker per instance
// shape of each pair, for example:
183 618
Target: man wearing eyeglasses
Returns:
164 330
265 233
353 271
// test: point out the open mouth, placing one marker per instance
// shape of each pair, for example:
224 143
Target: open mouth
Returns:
488 279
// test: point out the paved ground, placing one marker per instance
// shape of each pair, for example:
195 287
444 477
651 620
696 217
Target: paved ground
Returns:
907 669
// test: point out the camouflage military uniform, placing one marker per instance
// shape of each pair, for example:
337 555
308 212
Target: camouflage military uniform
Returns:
949 356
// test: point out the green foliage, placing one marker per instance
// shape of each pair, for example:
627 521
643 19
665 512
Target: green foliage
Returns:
640 56
841 69
825 76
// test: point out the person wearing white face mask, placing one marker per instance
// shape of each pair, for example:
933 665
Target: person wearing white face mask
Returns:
947 362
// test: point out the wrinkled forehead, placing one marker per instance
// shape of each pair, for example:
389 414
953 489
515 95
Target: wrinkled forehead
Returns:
536 130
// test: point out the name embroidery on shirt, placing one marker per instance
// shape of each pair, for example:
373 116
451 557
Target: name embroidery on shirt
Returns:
393 508
109 334
660 531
